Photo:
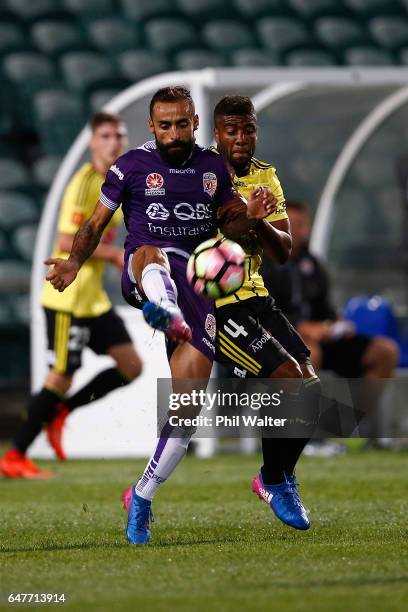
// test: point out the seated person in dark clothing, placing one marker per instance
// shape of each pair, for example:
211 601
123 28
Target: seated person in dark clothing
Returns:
301 290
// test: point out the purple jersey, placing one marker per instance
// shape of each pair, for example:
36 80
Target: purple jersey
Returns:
172 208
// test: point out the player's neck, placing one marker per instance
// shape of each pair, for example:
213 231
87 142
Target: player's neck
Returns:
100 166
241 170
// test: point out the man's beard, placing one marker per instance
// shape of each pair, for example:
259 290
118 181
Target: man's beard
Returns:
179 155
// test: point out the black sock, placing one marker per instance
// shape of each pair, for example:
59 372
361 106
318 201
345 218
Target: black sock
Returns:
41 410
280 457
98 387
281 454
309 410
273 451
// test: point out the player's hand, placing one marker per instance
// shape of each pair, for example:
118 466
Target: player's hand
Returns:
62 274
261 203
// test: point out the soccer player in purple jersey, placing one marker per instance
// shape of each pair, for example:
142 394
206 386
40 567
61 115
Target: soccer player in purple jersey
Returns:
174 194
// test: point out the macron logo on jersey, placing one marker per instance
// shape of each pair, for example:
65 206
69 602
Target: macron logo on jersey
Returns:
116 171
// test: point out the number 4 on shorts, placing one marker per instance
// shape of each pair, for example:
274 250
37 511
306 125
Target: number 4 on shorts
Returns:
237 330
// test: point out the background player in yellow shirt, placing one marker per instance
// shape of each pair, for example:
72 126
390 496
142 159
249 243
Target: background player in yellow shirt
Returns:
254 338
83 314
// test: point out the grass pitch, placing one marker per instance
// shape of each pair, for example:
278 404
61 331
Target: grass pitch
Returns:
215 546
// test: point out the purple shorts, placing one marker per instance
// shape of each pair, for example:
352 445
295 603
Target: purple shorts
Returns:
198 312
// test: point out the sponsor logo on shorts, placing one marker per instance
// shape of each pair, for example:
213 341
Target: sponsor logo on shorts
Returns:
117 171
257 344
208 343
209 183
156 210
154 183
240 372
210 326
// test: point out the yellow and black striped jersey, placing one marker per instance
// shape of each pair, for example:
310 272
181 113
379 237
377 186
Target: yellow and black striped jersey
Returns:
260 174
86 296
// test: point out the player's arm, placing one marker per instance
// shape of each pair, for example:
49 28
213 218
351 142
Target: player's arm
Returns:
274 238
238 216
86 240
106 252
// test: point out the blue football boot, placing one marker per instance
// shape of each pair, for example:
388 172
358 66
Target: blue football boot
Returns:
169 320
284 501
139 516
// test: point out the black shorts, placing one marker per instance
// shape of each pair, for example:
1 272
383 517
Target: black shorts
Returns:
69 335
345 356
254 338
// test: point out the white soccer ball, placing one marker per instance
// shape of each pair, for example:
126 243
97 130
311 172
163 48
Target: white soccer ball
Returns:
216 268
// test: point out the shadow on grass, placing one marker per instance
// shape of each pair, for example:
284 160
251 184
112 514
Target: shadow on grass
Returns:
154 545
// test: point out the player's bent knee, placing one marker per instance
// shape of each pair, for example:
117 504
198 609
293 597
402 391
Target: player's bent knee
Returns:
288 369
132 370
289 375
146 255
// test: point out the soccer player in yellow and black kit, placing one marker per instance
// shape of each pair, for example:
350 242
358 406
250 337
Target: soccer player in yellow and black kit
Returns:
254 338
82 315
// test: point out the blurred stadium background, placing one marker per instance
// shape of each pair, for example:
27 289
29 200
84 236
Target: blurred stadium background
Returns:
329 84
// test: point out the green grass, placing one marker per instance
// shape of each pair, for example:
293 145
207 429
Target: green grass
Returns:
214 545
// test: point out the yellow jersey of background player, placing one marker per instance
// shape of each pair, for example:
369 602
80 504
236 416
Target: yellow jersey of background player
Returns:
87 296
80 317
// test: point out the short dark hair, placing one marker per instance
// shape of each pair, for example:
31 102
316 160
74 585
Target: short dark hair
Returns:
298 205
234 105
171 94
101 117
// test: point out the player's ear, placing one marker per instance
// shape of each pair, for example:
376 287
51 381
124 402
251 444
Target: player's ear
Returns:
216 136
150 125
196 122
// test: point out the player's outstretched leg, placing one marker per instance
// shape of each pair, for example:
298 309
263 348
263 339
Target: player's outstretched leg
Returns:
151 271
284 501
